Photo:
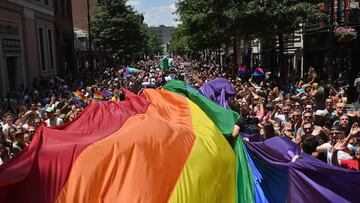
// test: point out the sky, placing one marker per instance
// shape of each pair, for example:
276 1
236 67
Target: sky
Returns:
156 12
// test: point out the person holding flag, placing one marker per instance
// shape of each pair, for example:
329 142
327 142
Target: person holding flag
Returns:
165 63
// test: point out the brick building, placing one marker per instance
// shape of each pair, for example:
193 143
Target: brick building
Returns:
27 42
64 36
80 12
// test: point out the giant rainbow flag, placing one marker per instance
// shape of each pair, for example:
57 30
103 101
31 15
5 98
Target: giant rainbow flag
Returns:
168 145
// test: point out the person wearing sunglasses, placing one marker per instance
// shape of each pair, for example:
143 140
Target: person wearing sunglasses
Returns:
308 128
337 135
296 120
341 145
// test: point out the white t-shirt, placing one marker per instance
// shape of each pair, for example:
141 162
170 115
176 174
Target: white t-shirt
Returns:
341 154
26 126
7 127
56 122
281 117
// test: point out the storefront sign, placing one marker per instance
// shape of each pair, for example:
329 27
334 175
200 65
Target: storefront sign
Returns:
11 45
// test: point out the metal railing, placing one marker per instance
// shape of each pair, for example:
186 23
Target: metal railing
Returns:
348 17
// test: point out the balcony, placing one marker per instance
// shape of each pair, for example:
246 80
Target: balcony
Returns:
349 17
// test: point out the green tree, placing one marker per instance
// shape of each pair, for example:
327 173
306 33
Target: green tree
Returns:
180 43
153 43
273 18
210 23
118 28
203 23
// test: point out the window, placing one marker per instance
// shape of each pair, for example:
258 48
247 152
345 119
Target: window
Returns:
41 49
51 49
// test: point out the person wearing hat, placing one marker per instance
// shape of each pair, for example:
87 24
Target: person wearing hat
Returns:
18 141
28 118
52 120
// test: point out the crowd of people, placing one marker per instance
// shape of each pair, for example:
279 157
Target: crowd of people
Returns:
316 115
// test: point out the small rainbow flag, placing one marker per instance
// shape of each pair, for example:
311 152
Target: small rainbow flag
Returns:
98 96
130 70
80 97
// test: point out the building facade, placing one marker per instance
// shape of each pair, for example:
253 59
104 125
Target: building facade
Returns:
64 37
164 35
82 11
316 45
27 42
265 53
322 49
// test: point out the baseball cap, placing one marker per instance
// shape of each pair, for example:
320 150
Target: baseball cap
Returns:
49 110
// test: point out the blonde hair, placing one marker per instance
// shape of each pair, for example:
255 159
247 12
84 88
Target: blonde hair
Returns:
315 86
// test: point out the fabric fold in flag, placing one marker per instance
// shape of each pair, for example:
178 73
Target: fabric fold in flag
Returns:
266 173
305 180
40 171
219 91
244 175
144 149
223 118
